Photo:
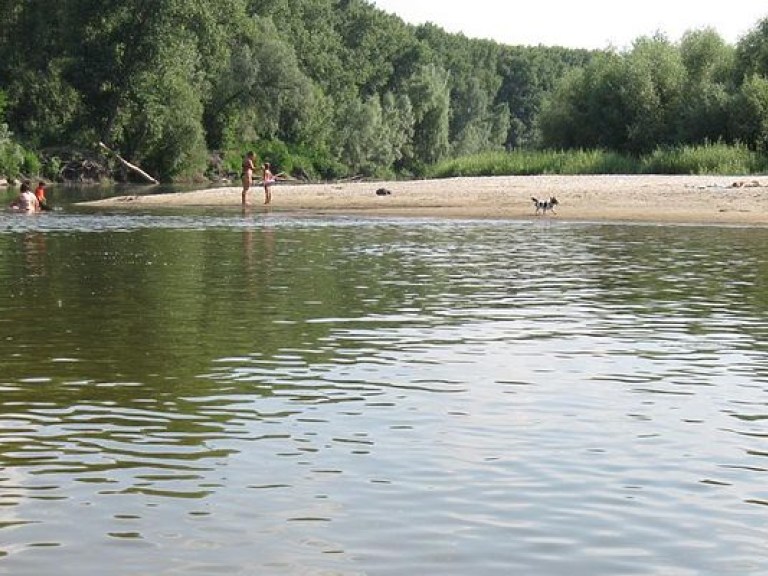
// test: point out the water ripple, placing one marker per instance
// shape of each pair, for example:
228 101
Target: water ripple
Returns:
208 393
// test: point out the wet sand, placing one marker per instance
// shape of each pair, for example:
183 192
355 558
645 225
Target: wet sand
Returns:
644 198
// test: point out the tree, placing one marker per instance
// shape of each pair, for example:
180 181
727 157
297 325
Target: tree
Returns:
751 113
375 133
750 105
657 67
520 93
397 128
624 102
261 93
752 52
45 107
481 126
706 102
429 94
706 57
359 136
165 133
149 70
590 107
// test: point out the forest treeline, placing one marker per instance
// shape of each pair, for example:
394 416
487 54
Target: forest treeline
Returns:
335 88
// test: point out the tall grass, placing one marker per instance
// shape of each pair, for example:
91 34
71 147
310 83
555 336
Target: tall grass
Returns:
735 159
703 159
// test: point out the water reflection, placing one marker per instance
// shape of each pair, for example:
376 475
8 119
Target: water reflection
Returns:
259 393
34 253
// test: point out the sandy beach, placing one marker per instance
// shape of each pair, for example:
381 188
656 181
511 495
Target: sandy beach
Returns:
643 198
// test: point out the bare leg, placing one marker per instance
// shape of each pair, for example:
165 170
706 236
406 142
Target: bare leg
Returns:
244 194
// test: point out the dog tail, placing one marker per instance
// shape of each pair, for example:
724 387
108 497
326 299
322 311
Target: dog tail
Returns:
535 200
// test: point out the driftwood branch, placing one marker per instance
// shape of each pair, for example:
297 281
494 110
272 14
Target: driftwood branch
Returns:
128 165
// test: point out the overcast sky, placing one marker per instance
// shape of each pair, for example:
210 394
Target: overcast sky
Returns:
582 23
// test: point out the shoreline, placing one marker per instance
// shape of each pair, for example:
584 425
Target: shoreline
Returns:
632 198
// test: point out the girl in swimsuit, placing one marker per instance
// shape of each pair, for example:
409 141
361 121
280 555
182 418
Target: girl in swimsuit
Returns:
268 178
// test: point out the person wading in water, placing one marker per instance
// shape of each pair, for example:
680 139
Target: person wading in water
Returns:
248 168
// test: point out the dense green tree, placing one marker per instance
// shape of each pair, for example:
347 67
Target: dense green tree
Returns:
752 52
360 137
129 73
430 96
312 27
657 68
397 129
42 105
590 107
165 132
375 133
529 75
520 93
473 82
707 98
261 93
338 86
374 43
627 102
45 106
750 116
481 125
749 110
706 57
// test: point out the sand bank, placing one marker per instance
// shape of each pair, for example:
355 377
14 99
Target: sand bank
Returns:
684 199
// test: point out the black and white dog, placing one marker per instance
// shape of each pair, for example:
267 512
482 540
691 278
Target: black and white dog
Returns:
544 205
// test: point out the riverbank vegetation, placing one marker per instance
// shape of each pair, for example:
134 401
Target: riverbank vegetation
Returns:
736 159
338 88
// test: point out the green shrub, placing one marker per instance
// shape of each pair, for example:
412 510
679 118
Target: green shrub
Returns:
31 165
527 162
295 161
703 159
11 154
52 167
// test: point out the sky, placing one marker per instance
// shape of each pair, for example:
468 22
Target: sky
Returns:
591 24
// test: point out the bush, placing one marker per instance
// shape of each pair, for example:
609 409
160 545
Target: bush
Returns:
704 159
294 161
527 162
11 154
31 165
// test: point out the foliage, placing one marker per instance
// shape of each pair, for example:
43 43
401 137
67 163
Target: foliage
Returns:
295 161
334 88
528 162
751 112
11 154
715 158
624 102
718 158
708 96
429 94
752 52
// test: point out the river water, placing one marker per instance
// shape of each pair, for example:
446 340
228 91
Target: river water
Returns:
272 393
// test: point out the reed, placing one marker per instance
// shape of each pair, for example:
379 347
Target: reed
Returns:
715 158
710 158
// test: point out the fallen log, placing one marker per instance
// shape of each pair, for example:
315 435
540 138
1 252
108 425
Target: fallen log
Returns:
130 166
